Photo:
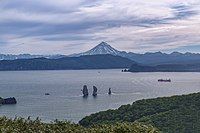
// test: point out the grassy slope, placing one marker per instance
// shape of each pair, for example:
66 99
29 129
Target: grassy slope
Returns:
169 114
20 125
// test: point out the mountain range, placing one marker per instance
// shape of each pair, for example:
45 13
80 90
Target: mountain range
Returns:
156 58
103 56
28 56
151 59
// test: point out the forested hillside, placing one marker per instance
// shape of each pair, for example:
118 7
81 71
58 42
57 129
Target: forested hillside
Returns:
176 114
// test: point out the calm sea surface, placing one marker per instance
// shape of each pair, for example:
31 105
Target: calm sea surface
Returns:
65 100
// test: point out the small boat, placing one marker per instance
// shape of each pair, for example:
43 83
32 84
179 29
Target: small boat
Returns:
164 80
47 94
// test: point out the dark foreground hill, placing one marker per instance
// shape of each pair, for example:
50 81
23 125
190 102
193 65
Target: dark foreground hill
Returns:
176 114
190 67
67 63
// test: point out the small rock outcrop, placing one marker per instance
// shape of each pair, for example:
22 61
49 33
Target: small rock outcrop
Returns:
94 91
10 100
125 70
85 91
109 91
46 94
1 100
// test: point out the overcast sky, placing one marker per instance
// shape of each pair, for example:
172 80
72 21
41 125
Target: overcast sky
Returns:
72 26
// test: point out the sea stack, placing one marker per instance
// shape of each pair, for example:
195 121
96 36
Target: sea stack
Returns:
94 91
85 91
109 91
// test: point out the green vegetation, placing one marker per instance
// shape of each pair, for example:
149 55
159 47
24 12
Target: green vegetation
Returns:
20 125
169 114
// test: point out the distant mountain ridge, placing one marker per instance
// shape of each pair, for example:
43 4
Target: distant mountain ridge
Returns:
148 58
28 56
151 59
67 63
192 67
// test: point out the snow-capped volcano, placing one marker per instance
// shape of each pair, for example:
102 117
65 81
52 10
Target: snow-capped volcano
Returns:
102 48
156 58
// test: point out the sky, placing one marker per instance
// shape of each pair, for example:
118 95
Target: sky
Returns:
73 26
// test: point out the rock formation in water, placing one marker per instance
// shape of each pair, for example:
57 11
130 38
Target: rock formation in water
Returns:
47 94
94 91
85 91
1 100
10 100
109 91
125 70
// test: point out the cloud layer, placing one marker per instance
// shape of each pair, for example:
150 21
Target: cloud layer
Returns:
65 27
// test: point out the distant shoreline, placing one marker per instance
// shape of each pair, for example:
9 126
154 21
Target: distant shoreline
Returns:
193 67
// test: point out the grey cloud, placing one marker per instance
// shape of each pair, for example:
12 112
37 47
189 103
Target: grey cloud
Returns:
183 11
82 22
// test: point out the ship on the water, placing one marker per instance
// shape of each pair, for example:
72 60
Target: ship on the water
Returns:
164 80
